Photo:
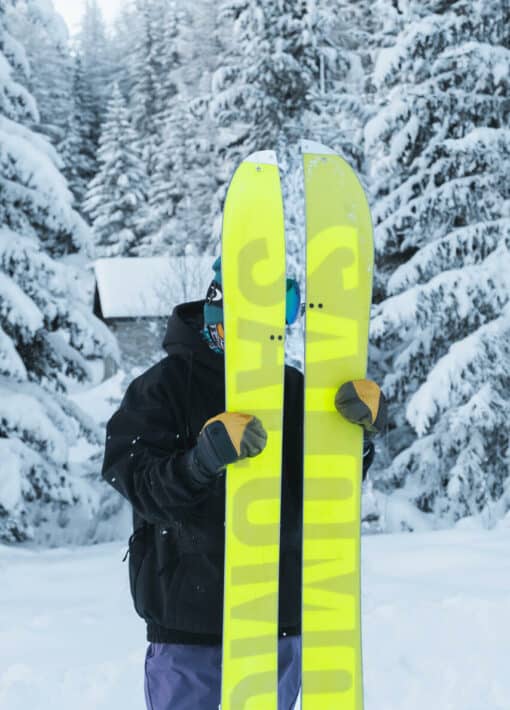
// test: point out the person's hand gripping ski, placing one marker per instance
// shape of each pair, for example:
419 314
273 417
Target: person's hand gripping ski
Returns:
362 402
225 439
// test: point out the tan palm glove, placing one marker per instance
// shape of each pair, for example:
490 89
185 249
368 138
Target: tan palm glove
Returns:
362 402
223 440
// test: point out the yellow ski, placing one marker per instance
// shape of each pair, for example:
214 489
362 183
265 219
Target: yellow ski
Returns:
339 257
253 273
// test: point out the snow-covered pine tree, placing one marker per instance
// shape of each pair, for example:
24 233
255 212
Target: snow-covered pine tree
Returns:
47 333
162 21
45 38
262 88
118 192
93 77
78 147
96 54
182 186
170 21
124 29
147 77
340 102
440 148
182 180
202 45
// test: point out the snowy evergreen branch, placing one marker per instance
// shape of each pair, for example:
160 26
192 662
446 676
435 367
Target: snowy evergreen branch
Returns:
439 148
47 334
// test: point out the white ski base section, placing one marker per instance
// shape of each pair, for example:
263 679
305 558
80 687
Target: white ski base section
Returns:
311 147
263 157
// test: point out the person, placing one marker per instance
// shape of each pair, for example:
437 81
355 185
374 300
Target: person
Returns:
166 451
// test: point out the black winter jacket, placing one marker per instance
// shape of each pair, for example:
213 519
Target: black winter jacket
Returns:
176 553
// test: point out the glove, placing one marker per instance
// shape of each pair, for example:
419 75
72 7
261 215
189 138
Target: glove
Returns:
224 439
362 402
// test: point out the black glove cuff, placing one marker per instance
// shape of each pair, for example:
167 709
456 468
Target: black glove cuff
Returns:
193 469
214 449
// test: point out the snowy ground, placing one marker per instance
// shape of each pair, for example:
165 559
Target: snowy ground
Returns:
436 625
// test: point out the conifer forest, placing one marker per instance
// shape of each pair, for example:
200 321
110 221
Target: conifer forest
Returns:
119 140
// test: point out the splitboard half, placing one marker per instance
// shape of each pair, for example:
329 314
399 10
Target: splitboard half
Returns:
253 273
339 258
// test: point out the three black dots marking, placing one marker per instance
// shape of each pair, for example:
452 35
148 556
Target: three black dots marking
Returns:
320 306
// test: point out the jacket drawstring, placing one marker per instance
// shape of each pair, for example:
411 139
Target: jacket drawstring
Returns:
188 400
132 540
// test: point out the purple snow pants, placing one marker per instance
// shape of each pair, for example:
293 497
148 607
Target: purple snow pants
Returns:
179 677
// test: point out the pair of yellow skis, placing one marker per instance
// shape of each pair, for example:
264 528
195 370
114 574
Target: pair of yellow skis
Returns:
339 259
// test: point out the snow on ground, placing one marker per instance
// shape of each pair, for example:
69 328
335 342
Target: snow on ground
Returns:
436 621
68 638
436 615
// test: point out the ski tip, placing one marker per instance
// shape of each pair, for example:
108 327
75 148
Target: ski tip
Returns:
263 157
311 147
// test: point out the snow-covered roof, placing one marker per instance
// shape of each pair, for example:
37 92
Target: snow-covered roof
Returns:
150 287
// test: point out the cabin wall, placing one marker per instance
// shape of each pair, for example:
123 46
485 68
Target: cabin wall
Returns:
140 342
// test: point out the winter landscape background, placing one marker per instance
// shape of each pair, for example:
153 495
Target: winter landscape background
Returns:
118 140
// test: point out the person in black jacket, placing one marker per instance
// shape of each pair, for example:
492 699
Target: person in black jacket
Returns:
166 451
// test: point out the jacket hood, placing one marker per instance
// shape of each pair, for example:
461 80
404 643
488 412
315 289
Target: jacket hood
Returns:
184 334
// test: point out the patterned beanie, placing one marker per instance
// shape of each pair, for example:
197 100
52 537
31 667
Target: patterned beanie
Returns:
213 312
